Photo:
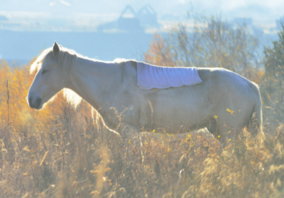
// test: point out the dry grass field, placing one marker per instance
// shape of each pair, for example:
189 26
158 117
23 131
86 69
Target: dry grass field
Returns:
62 152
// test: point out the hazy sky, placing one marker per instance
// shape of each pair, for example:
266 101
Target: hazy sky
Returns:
259 10
80 16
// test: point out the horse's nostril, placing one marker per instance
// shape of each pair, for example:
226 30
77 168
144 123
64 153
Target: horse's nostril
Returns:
37 102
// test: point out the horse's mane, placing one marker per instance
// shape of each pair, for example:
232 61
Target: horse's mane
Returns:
71 97
37 63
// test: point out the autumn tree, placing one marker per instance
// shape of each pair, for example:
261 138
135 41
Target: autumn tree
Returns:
210 43
272 85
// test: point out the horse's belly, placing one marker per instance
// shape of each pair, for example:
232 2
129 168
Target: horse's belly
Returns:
177 121
180 114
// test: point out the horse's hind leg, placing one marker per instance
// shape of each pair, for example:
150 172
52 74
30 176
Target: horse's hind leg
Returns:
227 128
216 129
212 126
226 134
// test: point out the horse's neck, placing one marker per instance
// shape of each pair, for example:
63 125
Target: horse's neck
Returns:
96 83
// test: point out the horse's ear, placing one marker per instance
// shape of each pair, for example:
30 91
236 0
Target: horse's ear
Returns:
56 50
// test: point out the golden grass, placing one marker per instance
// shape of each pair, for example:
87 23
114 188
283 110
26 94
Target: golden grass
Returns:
59 152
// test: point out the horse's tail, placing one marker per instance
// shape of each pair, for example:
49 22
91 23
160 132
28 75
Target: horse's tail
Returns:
256 119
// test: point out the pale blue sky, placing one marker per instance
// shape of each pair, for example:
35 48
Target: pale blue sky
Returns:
259 10
46 21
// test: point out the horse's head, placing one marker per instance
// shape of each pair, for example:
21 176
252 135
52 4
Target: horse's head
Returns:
50 77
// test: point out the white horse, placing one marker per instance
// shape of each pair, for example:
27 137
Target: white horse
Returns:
224 102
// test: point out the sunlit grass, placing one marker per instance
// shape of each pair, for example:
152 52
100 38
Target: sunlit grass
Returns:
60 152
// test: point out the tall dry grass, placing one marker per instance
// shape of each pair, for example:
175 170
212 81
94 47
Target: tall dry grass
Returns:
61 152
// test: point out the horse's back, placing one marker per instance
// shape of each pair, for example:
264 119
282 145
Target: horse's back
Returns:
227 80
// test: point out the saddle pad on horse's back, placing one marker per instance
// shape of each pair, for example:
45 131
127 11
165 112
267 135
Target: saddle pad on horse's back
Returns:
149 76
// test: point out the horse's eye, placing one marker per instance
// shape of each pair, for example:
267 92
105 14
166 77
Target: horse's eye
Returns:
43 71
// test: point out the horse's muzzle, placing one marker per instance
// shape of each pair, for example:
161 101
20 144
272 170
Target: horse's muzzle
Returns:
35 103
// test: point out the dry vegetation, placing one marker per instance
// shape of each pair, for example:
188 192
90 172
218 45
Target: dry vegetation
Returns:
62 152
